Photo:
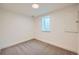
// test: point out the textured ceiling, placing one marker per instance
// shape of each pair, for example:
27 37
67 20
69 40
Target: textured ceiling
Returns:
26 8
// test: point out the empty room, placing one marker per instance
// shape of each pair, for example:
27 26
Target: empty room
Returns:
39 28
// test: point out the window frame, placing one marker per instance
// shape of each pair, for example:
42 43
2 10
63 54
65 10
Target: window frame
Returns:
45 23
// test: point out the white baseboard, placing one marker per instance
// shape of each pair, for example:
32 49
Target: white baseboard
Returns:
12 44
55 45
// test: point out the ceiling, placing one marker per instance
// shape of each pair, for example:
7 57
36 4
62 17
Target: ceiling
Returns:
26 8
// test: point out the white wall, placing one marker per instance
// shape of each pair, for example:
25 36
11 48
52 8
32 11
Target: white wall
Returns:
1 25
61 21
15 28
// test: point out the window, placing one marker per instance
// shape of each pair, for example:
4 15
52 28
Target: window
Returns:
46 23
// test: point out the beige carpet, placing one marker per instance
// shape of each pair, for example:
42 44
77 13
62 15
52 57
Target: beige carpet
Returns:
35 47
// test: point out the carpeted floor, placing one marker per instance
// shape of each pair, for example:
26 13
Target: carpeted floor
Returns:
35 47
